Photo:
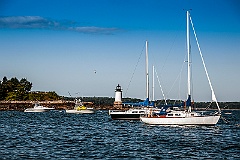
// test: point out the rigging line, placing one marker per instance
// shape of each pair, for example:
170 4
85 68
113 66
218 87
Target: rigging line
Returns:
177 77
192 86
225 120
160 86
208 106
169 52
134 71
180 79
172 45
200 52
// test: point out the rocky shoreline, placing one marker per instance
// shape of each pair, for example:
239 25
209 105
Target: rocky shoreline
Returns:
58 105
62 105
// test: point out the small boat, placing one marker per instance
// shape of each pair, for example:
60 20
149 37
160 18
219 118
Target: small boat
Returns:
38 108
183 114
80 108
131 114
227 112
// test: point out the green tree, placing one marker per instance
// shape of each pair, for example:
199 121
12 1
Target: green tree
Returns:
24 88
3 88
27 86
42 96
51 96
14 89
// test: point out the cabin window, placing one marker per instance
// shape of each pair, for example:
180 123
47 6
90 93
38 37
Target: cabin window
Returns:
170 114
192 114
141 112
176 108
134 111
178 114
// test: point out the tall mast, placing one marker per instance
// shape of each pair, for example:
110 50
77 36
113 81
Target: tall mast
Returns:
189 63
147 74
153 85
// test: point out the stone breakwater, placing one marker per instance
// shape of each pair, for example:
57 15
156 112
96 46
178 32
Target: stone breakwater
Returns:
58 105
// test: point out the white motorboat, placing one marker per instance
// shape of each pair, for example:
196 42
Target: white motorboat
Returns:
227 112
79 108
178 115
38 108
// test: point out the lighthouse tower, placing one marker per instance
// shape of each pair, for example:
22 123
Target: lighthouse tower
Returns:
118 97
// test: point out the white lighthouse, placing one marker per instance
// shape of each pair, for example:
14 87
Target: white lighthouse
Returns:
118 94
118 97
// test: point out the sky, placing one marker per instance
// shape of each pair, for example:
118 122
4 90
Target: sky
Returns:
88 47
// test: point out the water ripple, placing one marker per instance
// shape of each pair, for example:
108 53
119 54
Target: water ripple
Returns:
57 135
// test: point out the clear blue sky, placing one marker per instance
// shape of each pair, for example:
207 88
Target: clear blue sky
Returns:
59 44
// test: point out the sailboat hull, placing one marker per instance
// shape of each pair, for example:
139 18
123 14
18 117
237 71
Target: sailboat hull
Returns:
201 120
131 114
125 116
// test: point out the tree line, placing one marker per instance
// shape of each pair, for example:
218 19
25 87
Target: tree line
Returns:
20 90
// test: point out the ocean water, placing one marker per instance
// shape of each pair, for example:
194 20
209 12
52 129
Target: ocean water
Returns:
57 135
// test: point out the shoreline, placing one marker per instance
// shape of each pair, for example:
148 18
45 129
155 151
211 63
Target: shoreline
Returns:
58 105
63 105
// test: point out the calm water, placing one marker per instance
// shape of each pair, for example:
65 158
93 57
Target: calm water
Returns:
57 135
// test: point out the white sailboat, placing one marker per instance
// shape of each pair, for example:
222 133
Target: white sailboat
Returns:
179 115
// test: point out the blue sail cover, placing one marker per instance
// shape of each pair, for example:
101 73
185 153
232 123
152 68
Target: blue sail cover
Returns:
144 103
164 110
164 107
188 102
